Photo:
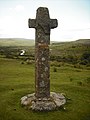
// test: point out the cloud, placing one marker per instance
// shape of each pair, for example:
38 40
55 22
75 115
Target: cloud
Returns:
19 8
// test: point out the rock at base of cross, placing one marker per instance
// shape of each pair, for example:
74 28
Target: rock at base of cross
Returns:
55 101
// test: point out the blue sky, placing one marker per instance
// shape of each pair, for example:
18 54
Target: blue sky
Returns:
73 18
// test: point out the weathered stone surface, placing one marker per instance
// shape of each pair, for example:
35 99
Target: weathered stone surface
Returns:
42 25
43 105
42 99
59 99
55 101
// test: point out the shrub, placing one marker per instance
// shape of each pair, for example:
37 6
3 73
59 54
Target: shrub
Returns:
88 80
22 62
80 83
71 79
84 62
54 69
85 58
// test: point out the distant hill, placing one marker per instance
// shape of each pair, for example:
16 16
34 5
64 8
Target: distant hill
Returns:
30 42
81 41
16 42
72 52
71 46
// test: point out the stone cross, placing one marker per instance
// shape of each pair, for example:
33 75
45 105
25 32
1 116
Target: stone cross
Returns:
42 99
42 24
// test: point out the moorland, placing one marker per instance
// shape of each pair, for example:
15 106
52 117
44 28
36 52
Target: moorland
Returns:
69 74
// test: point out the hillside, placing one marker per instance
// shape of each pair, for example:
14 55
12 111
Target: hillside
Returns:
71 46
72 52
76 47
16 42
30 42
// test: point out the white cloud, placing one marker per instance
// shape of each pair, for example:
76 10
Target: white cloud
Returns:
11 26
19 8
10 8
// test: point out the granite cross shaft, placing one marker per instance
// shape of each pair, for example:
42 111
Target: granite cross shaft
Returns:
42 99
42 24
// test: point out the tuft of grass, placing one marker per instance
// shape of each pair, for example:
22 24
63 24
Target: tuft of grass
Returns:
80 83
54 69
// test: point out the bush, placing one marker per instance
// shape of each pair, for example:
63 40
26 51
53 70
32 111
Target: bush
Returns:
84 62
54 69
29 61
71 79
78 66
80 83
85 58
22 62
88 80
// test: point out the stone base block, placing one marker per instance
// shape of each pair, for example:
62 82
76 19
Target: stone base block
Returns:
55 101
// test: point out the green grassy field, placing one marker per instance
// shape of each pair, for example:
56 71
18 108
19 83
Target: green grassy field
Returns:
17 80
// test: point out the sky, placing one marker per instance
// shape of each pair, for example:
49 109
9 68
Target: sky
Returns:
73 18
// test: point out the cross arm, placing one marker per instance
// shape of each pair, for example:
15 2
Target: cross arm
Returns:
53 23
31 23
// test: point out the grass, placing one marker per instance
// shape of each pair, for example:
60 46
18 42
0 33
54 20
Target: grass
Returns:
17 80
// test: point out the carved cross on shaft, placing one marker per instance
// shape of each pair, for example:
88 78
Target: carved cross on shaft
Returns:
42 25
